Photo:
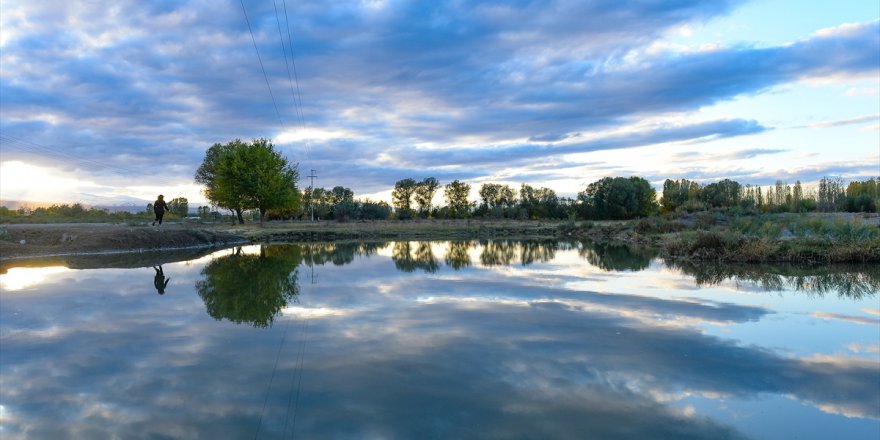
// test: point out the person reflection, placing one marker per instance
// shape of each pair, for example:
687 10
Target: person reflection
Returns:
159 281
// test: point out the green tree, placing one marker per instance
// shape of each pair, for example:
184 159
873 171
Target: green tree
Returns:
248 175
831 194
179 206
496 199
222 196
677 192
402 196
726 193
342 206
537 203
618 198
370 210
456 194
862 196
424 195
797 197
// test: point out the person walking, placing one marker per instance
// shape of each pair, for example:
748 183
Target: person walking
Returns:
159 207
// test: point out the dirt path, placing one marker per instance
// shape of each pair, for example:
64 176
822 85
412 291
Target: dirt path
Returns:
39 240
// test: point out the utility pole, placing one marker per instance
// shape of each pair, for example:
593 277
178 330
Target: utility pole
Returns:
312 177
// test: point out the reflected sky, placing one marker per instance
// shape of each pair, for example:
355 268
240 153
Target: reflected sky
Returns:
431 340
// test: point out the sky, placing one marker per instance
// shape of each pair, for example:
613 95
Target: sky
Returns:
112 102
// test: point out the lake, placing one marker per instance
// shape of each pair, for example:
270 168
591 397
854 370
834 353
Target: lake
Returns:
415 340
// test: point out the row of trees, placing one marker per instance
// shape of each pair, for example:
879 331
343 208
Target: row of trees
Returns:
829 196
243 176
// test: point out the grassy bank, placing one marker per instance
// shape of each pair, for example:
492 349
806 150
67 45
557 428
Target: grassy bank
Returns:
397 230
717 236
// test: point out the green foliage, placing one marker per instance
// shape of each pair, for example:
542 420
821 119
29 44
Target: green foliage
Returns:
179 206
537 203
862 196
831 194
618 198
402 196
725 193
248 175
677 192
456 194
424 195
498 200
370 210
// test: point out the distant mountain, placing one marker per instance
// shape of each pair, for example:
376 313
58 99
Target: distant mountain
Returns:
112 204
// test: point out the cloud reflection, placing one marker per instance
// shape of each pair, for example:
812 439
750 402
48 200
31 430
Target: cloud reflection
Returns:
492 354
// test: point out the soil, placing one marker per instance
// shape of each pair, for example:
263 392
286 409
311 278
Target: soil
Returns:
27 241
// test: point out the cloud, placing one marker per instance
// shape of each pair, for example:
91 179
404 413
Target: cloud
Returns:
132 86
510 155
847 121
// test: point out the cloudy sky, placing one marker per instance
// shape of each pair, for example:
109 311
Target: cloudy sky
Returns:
114 101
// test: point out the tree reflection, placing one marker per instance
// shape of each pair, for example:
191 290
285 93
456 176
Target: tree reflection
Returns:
457 256
851 281
536 251
409 259
498 252
338 254
615 257
251 289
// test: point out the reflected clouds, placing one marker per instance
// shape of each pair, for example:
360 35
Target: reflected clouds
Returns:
401 341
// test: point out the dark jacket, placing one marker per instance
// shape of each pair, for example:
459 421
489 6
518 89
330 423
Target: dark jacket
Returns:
159 206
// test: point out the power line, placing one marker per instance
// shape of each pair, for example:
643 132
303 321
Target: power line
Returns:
284 52
296 79
265 76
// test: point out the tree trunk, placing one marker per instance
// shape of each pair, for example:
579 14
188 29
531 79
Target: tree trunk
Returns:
262 216
240 218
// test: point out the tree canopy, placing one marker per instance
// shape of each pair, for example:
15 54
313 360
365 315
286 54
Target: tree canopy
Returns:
619 198
248 175
456 194
402 196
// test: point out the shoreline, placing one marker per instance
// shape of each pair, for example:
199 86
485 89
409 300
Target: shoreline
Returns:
672 238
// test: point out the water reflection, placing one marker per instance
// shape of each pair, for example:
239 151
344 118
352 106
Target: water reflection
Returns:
392 353
615 256
845 280
252 289
457 256
430 257
409 258
339 253
159 281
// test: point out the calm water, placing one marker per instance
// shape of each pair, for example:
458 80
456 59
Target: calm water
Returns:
437 340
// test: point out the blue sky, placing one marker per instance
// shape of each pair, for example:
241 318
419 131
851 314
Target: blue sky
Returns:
112 101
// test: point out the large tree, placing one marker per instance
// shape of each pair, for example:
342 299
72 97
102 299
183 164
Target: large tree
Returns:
207 174
248 175
424 195
496 198
402 197
619 198
456 194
